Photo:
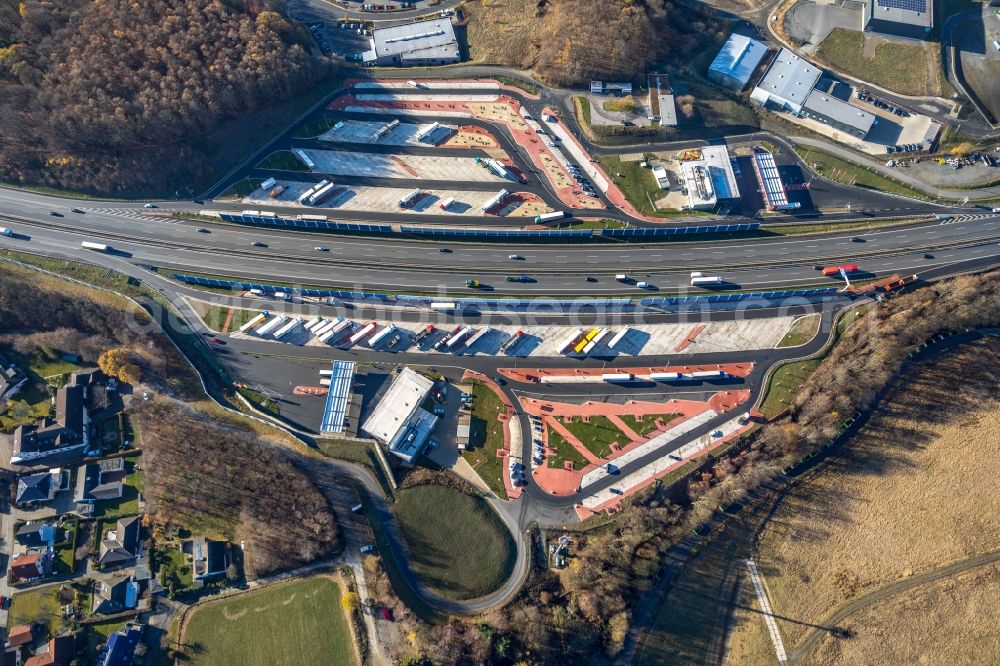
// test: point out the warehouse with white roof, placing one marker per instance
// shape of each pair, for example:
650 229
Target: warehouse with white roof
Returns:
414 44
736 61
787 82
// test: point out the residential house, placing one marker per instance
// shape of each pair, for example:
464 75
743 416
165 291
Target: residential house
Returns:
115 594
34 535
33 565
97 481
40 487
21 634
120 648
120 544
209 558
61 651
67 433
11 379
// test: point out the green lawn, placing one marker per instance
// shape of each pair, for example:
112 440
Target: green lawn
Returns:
894 65
785 384
457 543
44 363
313 129
240 189
215 317
841 171
98 634
30 404
361 453
802 331
647 423
624 104
65 551
282 160
635 182
564 451
39 605
128 503
597 435
292 623
486 438
174 565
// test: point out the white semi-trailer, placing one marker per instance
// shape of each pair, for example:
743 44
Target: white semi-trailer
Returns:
301 154
362 333
271 325
287 328
100 247
706 281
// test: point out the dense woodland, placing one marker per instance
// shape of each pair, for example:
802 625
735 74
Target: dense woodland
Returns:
205 475
570 42
113 96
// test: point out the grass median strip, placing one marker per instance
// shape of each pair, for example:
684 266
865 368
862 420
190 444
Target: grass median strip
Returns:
486 438
598 434
785 384
564 451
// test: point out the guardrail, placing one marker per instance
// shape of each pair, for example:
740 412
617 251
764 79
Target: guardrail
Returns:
735 298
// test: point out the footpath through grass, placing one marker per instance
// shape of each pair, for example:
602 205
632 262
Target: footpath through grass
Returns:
292 623
457 544
486 438
839 170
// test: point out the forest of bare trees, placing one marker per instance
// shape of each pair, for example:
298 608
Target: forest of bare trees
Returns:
112 96
205 475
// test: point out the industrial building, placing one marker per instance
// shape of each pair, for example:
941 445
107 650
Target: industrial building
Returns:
736 62
661 100
708 177
398 421
414 44
339 405
769 180
787 82
838 114
913 19
608 87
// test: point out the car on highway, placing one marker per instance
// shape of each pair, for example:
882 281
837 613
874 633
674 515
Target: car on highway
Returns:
517 278
76 210
257 244
321 248
149 205
643 285
857 239
591 278
445 250
472 284
928 255
515 257
55 213
203 230
995 210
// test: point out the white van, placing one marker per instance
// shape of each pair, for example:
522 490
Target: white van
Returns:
642 285
621 277
697 274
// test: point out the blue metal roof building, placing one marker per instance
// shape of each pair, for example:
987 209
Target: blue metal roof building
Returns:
341 379
736 61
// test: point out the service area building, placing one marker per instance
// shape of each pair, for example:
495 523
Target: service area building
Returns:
787 82
709 177
398 421
414 44
913 19
838 114
736 61
772 188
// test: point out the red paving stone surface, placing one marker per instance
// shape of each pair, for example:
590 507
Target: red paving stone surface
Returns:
565 482
229 320
615 504
690 338
531 375
401 163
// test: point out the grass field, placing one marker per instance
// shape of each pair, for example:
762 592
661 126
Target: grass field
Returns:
907 495
457 543
486 438
292 623
943 620
841 171
282 160
215 316
564 451
647 424
624 104
597 435
802 331
895 65
785 383
361 453
38 605
635 182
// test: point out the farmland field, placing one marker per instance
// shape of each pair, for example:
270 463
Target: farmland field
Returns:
291 623
457 543
914 491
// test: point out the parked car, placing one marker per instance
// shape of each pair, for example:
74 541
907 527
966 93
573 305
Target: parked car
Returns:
439 411
367 549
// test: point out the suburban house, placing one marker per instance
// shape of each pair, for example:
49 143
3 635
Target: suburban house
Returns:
99 481
120 544
61 651
36 564
11 379
209 558
37 535
121 645
22 634
115 594
68 432
40 487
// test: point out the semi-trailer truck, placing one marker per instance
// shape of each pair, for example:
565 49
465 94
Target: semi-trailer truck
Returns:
549 217
706 281
100 247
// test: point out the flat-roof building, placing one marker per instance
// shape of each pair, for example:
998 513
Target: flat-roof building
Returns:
398 421
769 180
838 114
903 18
414 44
736 61
338 399
787 82
709 177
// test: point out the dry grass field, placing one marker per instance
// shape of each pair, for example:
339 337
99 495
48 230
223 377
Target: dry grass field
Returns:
944 624
917 489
